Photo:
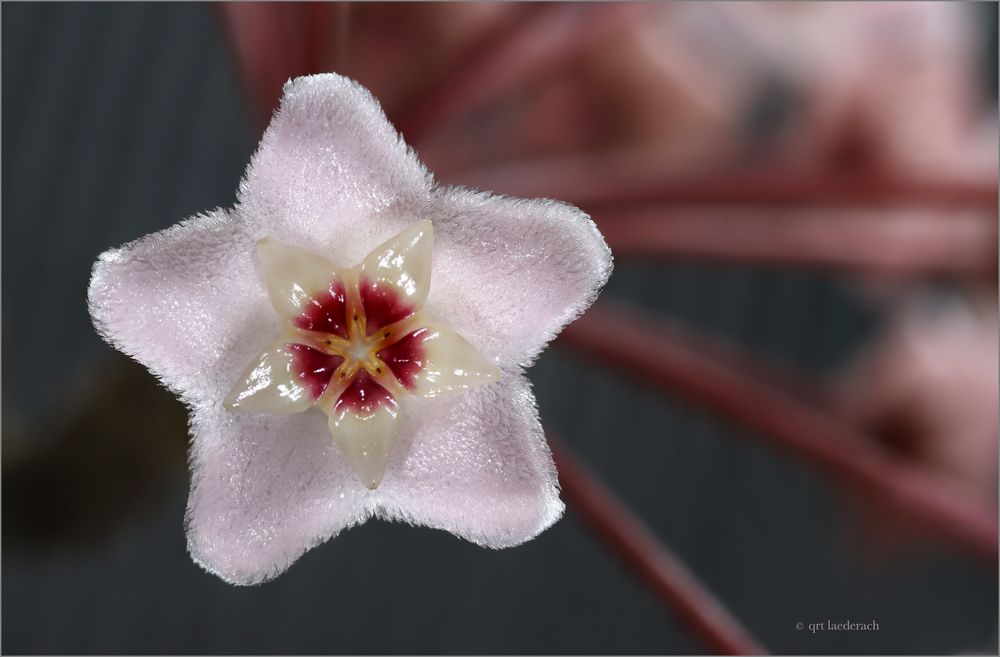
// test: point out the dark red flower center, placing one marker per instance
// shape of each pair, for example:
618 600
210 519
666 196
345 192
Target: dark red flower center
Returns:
364 395
406 357
314 368
326 312
383 305
346 338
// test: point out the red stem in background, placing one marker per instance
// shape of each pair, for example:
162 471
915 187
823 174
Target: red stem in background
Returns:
911 242
547 37
275 41
661 356
262 54
342 38
656 565
647 177
543 38
322 35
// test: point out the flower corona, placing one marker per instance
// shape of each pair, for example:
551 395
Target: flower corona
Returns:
354 342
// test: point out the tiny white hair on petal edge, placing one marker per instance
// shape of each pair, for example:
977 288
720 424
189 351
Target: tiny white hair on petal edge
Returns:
327 164
507 491
547 264
173 300
478 467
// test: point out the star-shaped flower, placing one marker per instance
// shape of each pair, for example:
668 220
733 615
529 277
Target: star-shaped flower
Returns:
333 185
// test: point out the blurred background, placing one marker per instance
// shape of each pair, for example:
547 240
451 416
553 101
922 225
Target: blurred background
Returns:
802 202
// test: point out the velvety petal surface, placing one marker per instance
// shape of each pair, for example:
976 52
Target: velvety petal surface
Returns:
510 273
268 487
327 166
332 177
265 489
475 464
182 301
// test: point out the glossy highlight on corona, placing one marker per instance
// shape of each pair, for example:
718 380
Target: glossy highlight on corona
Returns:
354 342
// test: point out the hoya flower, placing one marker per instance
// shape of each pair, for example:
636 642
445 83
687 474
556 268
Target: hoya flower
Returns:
351 340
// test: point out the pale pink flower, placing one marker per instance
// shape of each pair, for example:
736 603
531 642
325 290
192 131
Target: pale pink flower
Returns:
332 183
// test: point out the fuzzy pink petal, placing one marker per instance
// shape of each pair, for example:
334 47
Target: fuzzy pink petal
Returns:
510 273
265 489
327 166
179 301
475 464
332 176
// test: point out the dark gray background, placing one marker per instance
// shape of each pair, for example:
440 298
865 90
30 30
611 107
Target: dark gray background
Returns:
120 119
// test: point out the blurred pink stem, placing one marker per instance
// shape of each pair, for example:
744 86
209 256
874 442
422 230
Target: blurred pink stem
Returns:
256 36
648 177
661 356
657 566
887 242
275 41
543 38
